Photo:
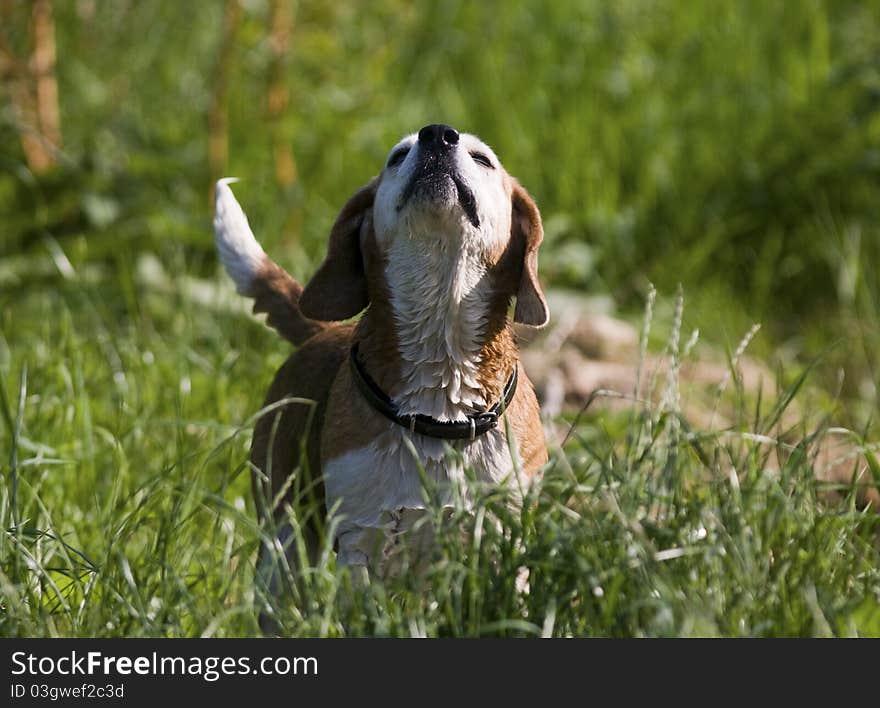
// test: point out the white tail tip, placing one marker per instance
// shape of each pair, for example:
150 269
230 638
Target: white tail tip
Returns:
242 256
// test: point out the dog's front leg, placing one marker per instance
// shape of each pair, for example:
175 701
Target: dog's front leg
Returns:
358 550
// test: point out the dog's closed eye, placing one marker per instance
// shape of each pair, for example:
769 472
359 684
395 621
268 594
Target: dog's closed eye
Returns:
397 157
482 159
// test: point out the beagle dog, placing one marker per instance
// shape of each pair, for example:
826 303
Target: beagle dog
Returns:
427 383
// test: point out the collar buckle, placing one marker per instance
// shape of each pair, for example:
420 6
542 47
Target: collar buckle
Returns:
476 424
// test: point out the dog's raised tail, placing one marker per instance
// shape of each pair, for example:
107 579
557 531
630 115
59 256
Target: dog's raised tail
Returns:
256 275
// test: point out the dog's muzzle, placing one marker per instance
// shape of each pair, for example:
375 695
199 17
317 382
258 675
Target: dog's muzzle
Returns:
434 177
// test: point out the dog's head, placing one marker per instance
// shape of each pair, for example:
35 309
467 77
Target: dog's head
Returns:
438 184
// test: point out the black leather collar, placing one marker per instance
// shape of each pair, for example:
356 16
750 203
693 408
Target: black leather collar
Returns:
476 424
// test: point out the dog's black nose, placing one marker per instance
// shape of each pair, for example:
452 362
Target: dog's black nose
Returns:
438 137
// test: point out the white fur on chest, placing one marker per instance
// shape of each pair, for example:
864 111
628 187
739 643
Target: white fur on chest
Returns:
439 295
369 488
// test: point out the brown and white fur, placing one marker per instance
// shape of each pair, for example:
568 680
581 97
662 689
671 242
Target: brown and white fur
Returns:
433 251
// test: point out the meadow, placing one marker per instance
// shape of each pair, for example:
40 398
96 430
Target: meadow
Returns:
701 166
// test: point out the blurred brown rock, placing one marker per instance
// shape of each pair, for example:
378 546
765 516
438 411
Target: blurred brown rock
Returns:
841 462
586 355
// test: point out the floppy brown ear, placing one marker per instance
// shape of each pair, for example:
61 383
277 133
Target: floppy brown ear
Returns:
525 226
338 290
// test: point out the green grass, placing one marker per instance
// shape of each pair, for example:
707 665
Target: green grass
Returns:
127 511
730 147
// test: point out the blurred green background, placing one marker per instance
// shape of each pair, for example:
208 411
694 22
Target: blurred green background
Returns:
730 146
